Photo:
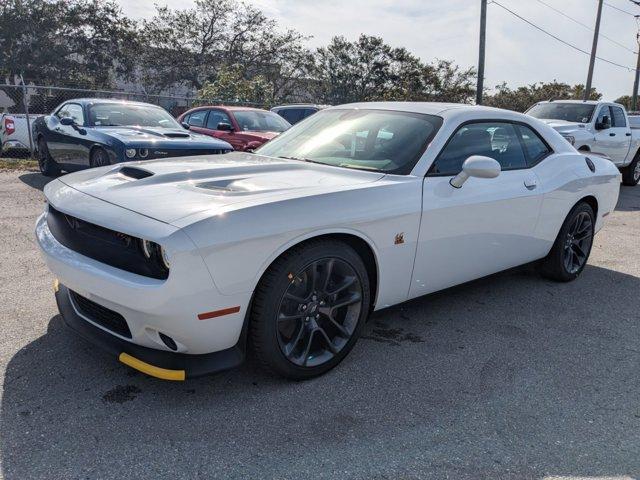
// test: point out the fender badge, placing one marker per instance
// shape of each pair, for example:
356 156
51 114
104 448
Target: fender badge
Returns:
399 238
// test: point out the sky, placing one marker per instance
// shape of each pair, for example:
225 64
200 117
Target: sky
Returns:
448 29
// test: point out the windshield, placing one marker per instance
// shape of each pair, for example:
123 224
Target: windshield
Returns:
256 121
385 141
571 112
122 114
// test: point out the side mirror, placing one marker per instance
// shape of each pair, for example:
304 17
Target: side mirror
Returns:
476 166
67 121
185 125
605 124
225 127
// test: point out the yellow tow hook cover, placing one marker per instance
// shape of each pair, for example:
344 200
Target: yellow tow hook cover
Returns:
152 370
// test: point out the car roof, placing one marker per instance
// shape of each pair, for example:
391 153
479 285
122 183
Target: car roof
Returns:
93 101
429 108
299 105
233 108
586 102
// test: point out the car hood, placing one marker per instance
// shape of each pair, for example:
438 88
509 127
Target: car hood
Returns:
181 191
563 125
162 137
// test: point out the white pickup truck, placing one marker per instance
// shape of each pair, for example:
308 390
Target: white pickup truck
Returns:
14 132
599 127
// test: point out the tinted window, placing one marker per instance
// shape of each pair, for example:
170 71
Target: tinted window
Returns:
571 112
292 115
618 117
497 140
72 110
196 119
604 112
379 140
259 121
216 117
535 147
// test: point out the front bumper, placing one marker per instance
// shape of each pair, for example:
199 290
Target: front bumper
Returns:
157 363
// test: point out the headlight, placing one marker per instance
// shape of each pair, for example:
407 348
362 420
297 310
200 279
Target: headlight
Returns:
570 139
130 152
154 252
143 152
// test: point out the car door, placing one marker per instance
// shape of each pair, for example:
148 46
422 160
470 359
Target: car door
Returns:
610 140
485 226
197 121
65 142
622 131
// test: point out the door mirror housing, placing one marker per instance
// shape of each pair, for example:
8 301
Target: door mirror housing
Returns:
476 166
225 127
67 121
604 124
185 125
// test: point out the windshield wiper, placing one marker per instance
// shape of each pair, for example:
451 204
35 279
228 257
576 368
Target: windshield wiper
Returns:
304 160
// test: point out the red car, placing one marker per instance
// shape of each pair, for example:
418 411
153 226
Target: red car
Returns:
244 128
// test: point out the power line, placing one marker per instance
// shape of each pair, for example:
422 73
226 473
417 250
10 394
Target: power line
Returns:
559 39
585 26
618 8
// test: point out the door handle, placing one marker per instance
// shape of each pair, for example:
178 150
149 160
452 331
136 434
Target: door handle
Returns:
531 183
612 134
628 134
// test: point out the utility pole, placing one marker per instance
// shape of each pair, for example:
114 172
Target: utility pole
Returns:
594 47
634 97
483 37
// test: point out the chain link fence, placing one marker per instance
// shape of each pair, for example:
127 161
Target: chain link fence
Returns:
21 104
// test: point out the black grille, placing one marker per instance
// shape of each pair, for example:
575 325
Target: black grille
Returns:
107 246
182 152
104 317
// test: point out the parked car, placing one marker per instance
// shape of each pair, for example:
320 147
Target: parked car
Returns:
595 126
243 127
294 113
634 119
14 133
92 132
290 248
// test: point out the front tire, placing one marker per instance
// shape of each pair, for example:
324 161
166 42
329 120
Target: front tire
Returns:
631 173
99 158
572 247
309 309
47 165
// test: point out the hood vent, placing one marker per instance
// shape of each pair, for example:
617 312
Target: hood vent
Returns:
134 172
176 135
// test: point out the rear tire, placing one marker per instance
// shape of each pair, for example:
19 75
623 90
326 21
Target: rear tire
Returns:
46 163
631 173
309 309
99 158
572 247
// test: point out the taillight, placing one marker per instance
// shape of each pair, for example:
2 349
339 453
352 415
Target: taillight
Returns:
9 126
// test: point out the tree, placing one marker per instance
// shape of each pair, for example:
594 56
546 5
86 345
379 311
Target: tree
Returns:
521 98
65 42
230 86
369 69
189 47
624 100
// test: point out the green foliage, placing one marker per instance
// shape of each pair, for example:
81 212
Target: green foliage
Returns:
231 86
66 42
369 69
521 98
624 100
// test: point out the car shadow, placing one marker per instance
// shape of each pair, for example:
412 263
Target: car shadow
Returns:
35 180
511 376
629 200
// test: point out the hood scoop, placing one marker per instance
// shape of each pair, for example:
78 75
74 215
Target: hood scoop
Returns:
177 135
135 172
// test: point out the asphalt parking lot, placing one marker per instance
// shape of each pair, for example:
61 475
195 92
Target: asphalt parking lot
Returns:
511 376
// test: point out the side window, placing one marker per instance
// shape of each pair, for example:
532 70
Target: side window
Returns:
72 110
216 117
536 149
185 119
604 112
196 119
498 140
618 117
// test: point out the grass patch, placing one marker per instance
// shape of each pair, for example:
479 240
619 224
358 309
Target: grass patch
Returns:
18 164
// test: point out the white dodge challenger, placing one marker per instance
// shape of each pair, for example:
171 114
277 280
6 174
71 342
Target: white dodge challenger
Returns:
179 266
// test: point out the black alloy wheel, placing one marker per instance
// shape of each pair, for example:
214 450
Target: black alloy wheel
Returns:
577 243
